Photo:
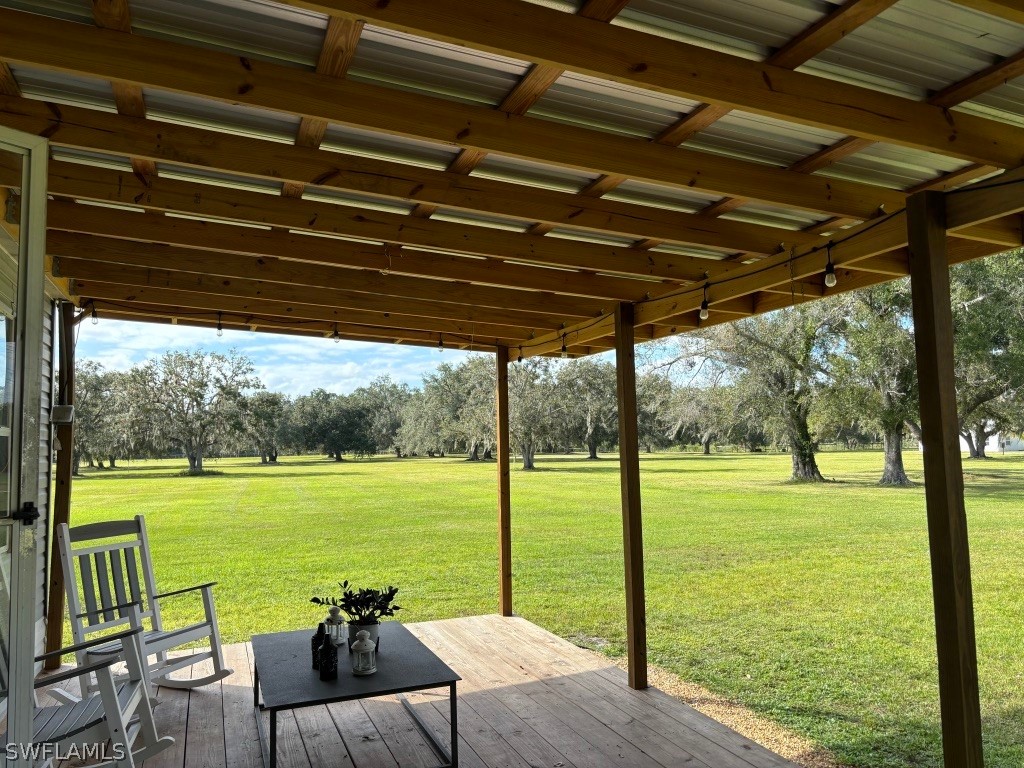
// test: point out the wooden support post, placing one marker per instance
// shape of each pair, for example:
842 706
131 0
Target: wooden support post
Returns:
504 489
62 492
944 485
629 479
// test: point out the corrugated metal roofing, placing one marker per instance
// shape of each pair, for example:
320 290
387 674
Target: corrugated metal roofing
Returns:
438 69
913 49
251 28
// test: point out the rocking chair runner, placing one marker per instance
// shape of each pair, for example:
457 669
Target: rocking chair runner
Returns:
120 711
112 571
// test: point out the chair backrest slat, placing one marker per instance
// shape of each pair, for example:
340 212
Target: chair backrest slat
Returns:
88 588
103 579
117 576
132 566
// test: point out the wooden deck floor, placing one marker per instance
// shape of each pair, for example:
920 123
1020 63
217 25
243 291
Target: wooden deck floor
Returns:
528 699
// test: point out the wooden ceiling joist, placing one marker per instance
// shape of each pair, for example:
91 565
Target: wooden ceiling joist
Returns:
95 131
382 227
165 297
321 258
539 34
82 271
157 63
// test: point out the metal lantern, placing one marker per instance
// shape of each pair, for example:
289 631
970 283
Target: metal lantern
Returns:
334 624
364 654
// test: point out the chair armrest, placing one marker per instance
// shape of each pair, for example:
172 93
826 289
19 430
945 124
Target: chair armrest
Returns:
68 674
89 644
94 611
197 587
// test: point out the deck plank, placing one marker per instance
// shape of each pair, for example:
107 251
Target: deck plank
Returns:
669 713
365 745
241 737
204 747
527 698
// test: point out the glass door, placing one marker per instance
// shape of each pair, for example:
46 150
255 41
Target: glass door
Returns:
22 243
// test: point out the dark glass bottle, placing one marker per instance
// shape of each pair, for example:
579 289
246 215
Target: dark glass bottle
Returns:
328 660
317 641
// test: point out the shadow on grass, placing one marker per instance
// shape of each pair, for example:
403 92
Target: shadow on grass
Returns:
226 474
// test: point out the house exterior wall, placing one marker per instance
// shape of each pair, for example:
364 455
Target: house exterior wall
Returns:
46 360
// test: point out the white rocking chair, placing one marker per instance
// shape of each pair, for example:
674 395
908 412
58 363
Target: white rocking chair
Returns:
112 571
113 718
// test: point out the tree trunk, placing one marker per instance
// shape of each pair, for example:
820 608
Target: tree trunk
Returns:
273 456
398 453
191 462
527 451
592 448
706 445
981 436
968 436
893 472
337 456
112 462
263 457
199 461
474 453
488 456
805 467
76 464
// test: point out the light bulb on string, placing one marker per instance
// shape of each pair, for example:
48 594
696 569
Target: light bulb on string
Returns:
440 344
220 325
95 319
520 358
704 305
565 351
335 335
830 268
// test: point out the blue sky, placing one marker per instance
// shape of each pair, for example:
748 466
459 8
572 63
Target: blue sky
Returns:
290 364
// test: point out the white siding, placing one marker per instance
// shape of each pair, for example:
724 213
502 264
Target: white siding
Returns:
45 455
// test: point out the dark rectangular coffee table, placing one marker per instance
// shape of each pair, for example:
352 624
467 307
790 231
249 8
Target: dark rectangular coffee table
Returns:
283 671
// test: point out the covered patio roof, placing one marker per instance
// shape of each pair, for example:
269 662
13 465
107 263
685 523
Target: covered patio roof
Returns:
532 178
477 175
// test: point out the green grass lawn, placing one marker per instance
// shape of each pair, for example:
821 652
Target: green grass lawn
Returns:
811 604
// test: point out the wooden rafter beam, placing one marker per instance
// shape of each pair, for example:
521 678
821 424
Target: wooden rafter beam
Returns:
96 131
805 46
336 53
344 329
165 297
71 47
186 248
85 273
116 15
232 238
536 33
862 244
1011 10
208 269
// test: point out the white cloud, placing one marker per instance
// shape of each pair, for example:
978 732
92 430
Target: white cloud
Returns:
293 365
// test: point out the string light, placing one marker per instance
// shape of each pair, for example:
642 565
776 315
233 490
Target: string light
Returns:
335 335
440 343
704 304
520 358
95 319
565 351
830 268
220 325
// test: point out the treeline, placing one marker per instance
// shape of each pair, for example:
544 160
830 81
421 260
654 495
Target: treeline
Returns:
837 370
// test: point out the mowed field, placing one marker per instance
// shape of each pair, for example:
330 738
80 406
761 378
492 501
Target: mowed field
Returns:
811 604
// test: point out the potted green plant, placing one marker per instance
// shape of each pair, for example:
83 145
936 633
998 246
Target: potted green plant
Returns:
363 608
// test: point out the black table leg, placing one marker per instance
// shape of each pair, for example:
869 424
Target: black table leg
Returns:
256 687
453 702
273 738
